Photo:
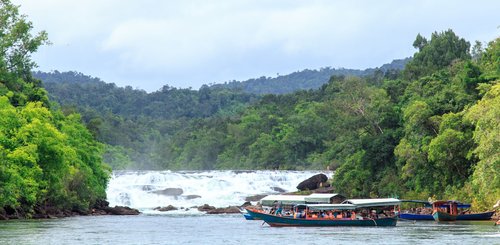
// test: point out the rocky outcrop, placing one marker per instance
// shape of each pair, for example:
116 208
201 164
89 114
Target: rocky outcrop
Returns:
254 198
190 197
121 210
205 208
313 182
165 209
278 189
169 192
228 210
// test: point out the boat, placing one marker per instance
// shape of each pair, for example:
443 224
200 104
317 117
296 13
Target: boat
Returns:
445 210
421 213
476 216
376 212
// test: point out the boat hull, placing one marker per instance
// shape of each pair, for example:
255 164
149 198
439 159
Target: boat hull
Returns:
416 216
278 221
443 216
478 216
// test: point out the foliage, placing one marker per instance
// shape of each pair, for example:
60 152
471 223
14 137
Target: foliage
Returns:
47 160
429 131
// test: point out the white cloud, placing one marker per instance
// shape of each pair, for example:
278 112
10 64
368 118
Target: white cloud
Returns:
186 43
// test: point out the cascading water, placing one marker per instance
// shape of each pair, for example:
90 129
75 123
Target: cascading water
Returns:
146 190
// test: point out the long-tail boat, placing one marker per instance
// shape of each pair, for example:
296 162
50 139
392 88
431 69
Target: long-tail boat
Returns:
353 212
448 211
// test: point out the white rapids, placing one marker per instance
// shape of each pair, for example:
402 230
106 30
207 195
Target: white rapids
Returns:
136 189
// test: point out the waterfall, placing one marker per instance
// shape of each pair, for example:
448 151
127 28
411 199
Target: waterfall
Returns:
146 190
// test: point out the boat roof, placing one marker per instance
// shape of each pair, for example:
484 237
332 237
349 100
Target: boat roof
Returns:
321 197
377 202
331 206
457 203
284 199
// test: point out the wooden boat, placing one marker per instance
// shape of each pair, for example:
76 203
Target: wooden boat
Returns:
411 216
345 214
460 216
477 216
445 210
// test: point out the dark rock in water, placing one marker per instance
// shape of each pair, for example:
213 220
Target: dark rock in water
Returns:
254 198
312 183
121 210
278 189
205 208
246 204
228 210
165 209
170 192
189 197
147 188
101 204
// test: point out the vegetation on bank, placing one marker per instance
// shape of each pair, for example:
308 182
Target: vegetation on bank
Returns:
430 130
49 161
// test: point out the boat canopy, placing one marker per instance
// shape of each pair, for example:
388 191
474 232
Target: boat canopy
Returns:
284 199
454 203
331 207
378 202
322 197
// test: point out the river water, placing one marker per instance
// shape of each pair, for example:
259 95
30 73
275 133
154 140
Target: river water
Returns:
219 188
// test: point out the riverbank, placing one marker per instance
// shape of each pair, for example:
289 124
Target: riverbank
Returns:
100 208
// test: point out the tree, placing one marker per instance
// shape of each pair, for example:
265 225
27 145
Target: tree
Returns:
438 53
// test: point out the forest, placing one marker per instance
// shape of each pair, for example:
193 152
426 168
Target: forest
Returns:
49 160
431 129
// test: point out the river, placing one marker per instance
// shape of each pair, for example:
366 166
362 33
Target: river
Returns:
218 188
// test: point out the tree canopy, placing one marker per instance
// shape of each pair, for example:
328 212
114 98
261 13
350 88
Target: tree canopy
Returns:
48 161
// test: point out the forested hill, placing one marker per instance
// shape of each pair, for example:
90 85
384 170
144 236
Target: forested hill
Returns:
86 92
307 79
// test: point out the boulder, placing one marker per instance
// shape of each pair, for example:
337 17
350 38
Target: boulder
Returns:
147 188
165 209
228 210
205 208
312 183
189 197
169 192
246 204
121 210
278 189
254 198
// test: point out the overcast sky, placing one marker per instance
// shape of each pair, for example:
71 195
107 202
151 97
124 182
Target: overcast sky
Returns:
150 43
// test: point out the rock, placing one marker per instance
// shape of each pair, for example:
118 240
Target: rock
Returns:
189 197
121 210
312 183
205 208
165 209
278 189
101 204
246 204
147 188
228 210
169 192
254 198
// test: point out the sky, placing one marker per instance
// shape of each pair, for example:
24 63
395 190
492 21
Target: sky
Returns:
147 44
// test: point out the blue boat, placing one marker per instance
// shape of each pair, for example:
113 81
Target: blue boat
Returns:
477 216
410 216
443 206
346 214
